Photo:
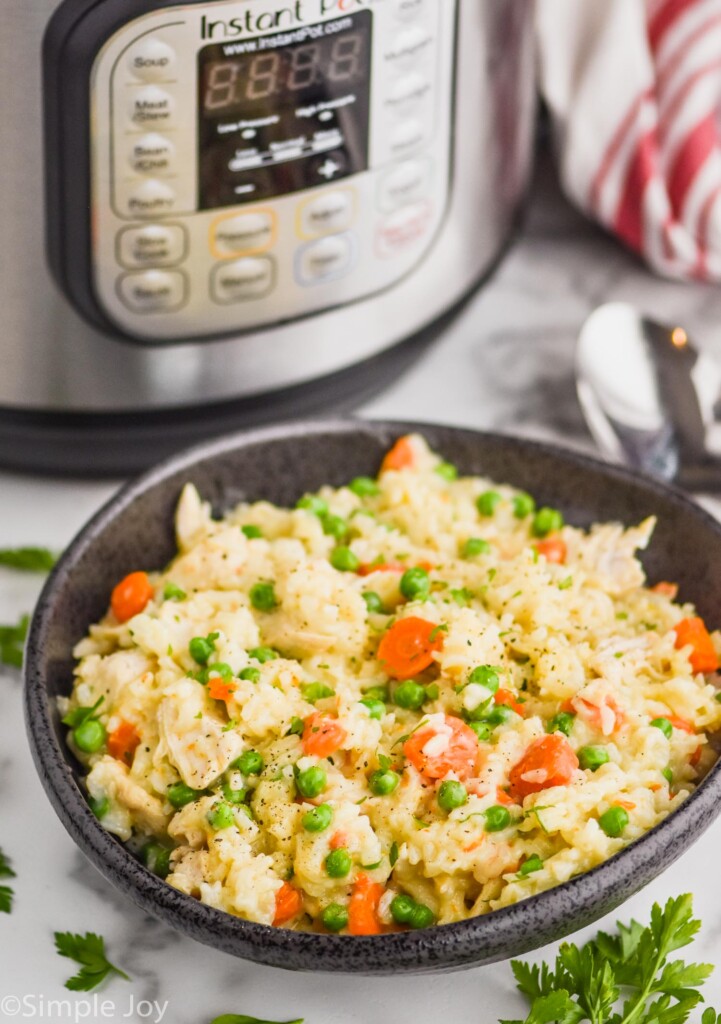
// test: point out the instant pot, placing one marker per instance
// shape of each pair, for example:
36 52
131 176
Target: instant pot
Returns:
228 210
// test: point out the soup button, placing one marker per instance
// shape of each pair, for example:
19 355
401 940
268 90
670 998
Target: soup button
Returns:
252 277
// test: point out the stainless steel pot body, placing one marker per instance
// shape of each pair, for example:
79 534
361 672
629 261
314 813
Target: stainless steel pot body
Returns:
54 362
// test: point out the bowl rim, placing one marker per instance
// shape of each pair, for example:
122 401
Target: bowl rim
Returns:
432 947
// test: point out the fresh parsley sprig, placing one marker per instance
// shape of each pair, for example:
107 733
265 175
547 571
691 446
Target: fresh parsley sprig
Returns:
626 978
12 640
89 951
240 1018
6 891
28 559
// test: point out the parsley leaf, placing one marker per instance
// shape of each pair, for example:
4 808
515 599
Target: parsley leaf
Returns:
6 892
28 559
89 951
12 640
240 1018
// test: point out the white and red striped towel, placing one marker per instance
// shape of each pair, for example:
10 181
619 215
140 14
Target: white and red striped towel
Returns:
634 87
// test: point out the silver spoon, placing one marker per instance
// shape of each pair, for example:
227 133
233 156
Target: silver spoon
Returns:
648 396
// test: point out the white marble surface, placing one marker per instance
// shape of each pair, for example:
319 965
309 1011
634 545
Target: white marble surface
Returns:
506 363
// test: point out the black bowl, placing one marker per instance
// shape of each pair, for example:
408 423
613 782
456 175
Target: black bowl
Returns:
135 531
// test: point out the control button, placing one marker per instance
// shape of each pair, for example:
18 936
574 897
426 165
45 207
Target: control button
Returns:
403 228
153 291
151 60
253 277
407 135
408 45
404 184
326 167
409 89
325 260
151 107
157 245
407 10
152 154
242 233
151 198
327 214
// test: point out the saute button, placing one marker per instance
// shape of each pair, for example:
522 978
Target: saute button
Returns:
325 260
249 278
151 199
151 107
152 154
156 245
328 213
405 184
242 233
153 291
151 60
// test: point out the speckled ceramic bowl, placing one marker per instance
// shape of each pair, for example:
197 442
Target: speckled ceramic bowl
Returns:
135 531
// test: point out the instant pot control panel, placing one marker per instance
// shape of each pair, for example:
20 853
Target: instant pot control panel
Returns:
249 161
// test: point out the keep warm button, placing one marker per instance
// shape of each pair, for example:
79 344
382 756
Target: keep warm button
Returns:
153 291
403 229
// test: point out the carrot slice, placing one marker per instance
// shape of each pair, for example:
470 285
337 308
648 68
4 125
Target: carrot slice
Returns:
131 595
696 757
597 715
509 699
553 549
288 904
460 755
123 741
549 761
363 907
322 735
338 841
666 589
369 567
400 456
682 724
504 798
219 689
693 633
408 647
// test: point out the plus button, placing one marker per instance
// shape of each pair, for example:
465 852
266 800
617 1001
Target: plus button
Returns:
329 169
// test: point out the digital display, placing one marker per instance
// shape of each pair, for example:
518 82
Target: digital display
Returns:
284 112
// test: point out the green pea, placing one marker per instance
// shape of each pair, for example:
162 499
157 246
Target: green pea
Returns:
335 526
376 708
262 597
263 654
383 783
530 865
591 758
252 532
478 714
201 647
452 794
447 471
523 505
251 674
90 736
485 675
475 546
487 502
344 560
481 729
664 725
179 795
562 722
316 691
311 781
614 822
220 669
433 691
234 796
319 819
338 863
334 917
297 725
364 487
415 584
497 818
410 695
172 592
377 693
402 908
422 916
312 503
157 859
250 763
99 806
545 521
374 602
221 816
500 715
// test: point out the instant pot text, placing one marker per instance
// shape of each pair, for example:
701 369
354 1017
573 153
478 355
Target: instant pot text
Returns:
300 12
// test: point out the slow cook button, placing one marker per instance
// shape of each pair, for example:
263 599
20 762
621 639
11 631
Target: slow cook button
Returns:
151 60
242 233
327 214
404 184
152 154
151 107
151 199
153 291
403 229
252 277
156 245
325 260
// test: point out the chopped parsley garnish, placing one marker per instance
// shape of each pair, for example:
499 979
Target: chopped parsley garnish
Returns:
89 951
